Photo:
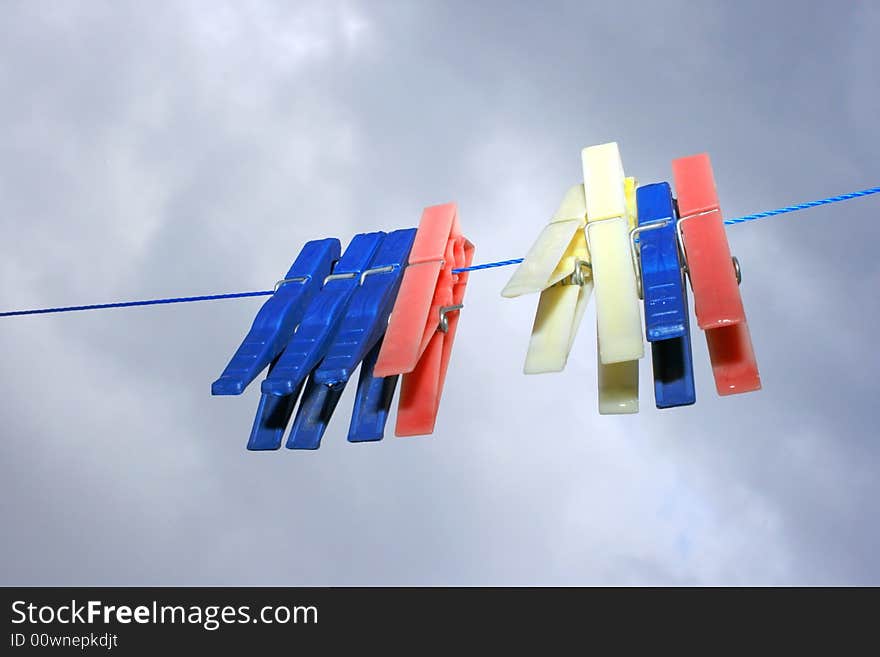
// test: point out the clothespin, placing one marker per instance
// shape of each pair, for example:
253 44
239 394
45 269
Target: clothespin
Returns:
421 330
357 342
286 377
714 276
279 316
665 296
557 266
611 213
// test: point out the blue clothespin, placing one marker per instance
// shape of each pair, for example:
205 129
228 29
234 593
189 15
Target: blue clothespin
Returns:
357 342
306 348
666 304
277 320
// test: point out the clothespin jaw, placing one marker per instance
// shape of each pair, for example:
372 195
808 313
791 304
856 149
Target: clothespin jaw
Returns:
313 415
372 401
557 266
714 277
270 423
618 387
665 296
356 343
423 323
278 318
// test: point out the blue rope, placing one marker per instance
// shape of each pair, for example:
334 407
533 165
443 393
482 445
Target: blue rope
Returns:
131 304
487 265
803 206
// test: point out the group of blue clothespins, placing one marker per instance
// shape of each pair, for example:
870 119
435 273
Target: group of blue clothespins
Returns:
327 316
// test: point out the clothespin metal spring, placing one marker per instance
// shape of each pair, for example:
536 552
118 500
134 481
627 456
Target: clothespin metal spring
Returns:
636 250
443 326
378 270
298 279
577 276
340 277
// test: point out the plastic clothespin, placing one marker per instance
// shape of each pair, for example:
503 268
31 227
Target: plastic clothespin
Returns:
611 213
714 276
278 318
286 377
665 296
357 342
557 266
423 323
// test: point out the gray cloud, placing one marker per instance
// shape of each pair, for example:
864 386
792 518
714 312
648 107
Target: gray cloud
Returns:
185 148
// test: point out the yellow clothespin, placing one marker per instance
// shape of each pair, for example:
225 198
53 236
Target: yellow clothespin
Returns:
557 266
611 213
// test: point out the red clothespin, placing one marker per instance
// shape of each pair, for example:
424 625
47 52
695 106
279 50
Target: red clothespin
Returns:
422 326
714 276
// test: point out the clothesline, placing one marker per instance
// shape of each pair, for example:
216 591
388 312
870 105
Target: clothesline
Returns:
489 265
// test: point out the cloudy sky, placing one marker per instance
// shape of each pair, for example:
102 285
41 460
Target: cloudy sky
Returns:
174 148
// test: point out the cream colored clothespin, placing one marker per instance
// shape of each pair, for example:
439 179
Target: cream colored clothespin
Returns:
557 266
611 213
